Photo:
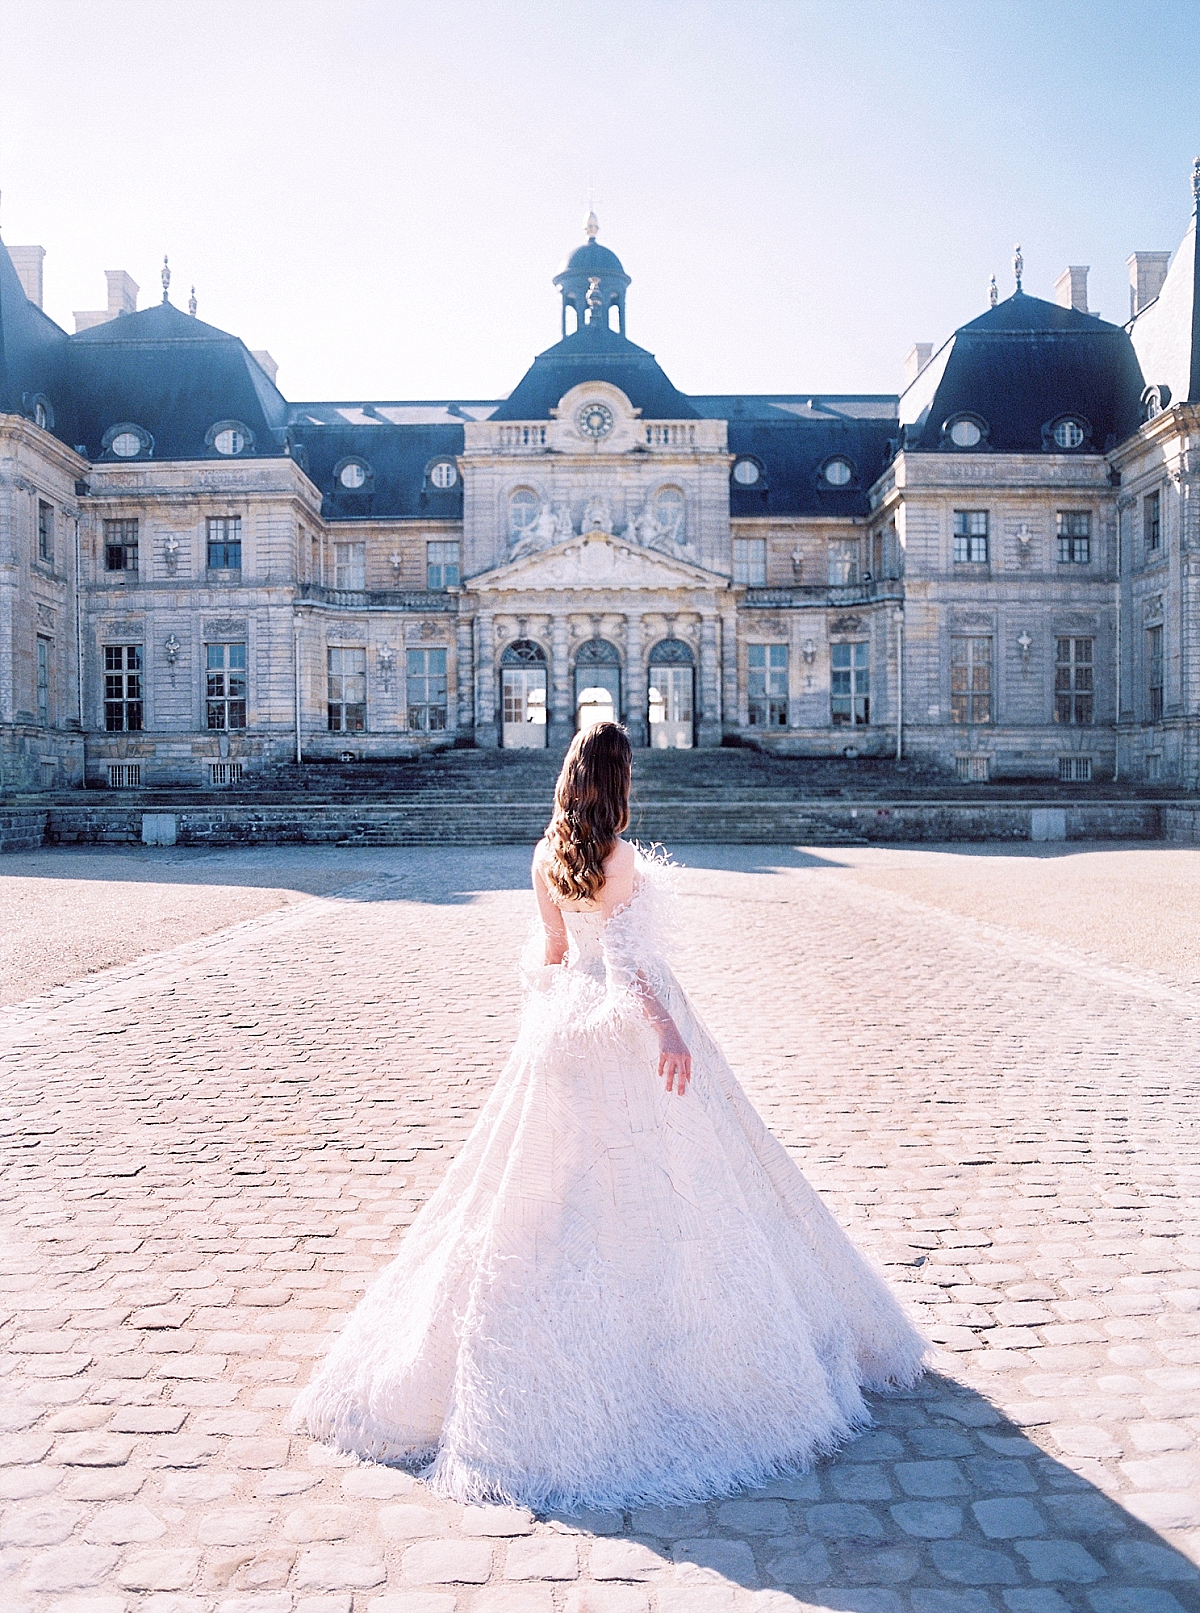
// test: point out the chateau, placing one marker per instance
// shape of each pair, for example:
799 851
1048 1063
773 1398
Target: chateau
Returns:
997 572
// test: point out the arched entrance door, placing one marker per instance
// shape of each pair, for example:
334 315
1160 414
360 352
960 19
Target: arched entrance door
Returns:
597 683
523 696
672 690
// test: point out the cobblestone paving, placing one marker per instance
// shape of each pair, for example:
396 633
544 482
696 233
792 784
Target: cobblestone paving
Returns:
208 1154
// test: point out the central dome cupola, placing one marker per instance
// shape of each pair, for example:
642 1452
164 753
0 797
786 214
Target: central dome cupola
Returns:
591 282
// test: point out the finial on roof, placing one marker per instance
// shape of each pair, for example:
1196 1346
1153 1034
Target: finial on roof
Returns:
1196 181
1018 264
192 303
993 293
166 277
592 227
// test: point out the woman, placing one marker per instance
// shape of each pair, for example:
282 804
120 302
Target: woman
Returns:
624 1290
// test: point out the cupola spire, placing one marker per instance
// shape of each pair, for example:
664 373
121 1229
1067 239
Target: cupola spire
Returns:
1018 265
591 283
993 292
166 278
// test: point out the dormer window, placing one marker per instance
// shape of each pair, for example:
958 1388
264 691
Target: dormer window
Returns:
443 474
837 472
353 474
126 441
965 431
1069 434
229 438
41 412
747 472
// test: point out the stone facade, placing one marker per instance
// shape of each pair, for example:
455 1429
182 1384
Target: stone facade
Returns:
808 575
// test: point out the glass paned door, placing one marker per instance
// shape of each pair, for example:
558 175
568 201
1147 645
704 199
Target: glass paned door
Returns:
671 694
597 694
523 692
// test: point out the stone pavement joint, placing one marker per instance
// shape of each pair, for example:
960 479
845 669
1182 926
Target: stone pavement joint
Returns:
207 1155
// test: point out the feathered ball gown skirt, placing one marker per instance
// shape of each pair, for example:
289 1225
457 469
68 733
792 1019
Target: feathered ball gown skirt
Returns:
617 1295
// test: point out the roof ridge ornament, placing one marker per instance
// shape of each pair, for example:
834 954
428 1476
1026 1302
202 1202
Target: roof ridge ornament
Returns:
166 278
1018 264
192 303
993 292
1196 181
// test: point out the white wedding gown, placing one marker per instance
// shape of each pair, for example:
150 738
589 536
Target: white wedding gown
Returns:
617 1294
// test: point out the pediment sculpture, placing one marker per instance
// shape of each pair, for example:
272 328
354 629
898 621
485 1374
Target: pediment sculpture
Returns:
597 560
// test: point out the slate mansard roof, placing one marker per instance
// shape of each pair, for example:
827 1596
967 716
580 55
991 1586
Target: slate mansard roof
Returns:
1017 369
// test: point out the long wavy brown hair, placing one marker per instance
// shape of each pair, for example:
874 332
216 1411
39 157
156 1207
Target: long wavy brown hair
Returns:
591 808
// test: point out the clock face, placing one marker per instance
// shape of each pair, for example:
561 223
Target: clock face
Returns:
595 420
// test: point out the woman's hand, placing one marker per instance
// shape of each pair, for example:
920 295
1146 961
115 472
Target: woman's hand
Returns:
674 1060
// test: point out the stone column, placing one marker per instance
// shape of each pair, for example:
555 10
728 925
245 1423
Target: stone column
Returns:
635 681
729 671
709 731
487 735
466 677
562 714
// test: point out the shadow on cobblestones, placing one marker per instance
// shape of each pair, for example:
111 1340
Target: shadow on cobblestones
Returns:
943 1507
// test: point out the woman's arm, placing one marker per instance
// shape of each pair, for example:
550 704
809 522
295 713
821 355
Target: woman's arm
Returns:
553 927
674 1060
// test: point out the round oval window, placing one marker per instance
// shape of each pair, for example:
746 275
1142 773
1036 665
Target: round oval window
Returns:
229 441
838 472
1068 434
965 433
746 473
444 474
353 475
127 445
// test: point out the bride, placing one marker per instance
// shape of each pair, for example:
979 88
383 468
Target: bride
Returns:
623 1291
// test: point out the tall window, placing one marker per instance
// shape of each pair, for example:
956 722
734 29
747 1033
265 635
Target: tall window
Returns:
120 545
350 565
767 681
843 563
43 681
441 565
1073 680
427 690
850 684
1074 537
224 543
45 532
1152 520
1154 672
970 680
123 688
225 685
970 537
750 561
347 690
314 561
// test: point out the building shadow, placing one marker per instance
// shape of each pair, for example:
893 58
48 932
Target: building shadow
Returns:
944 1506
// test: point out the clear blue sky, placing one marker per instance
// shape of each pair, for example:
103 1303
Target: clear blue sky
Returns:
380 192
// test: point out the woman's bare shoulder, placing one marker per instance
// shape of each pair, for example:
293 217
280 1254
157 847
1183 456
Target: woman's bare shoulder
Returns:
622 856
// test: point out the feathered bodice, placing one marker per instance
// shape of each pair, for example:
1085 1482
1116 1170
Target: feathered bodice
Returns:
585 932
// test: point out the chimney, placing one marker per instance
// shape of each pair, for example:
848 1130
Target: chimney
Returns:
1147 271
265 362
122 293
122 299
1070 289
916 359
27 261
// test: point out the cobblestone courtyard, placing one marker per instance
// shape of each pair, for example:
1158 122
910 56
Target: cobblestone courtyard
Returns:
985 1058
